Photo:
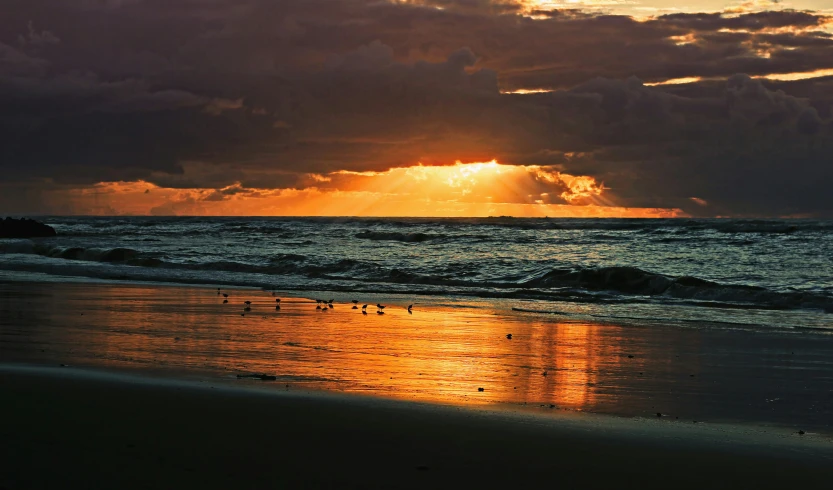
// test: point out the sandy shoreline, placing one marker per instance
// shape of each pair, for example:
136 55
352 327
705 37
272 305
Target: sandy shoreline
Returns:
439 354
75 429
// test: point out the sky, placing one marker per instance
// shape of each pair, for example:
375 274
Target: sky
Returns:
417 107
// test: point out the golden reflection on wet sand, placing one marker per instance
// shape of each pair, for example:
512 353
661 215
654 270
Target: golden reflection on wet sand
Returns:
437 354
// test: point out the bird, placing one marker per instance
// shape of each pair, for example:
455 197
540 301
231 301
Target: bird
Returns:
355 301
330 305
218 291
317 307
318 301
225 295
330 302
509 336
409 307
355 307
364 307
277 300
247 302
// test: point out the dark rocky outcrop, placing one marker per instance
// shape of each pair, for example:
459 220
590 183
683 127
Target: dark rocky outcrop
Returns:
24 228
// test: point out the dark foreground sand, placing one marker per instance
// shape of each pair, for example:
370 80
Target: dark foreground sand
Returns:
62 428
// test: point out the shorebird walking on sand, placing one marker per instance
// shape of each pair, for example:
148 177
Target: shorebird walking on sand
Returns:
381 307
364 307
225 295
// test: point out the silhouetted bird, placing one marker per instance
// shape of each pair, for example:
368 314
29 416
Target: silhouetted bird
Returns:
409 307
317 307
247 302
330 302
218 291
364 307
277 300
381 307
355 307
330 305
225 295
355 301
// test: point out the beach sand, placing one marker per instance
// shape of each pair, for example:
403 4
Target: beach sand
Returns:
69 428
149 398
443 352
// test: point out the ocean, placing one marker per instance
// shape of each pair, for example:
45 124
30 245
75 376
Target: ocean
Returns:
722 321
769 274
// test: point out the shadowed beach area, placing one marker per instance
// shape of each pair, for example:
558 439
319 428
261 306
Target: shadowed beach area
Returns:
79 430
139 386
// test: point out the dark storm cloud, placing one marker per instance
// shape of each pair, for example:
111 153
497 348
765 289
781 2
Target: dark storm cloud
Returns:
212 93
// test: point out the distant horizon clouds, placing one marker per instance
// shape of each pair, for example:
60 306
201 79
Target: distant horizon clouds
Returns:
596 108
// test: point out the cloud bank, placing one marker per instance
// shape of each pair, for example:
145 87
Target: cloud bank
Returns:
264 95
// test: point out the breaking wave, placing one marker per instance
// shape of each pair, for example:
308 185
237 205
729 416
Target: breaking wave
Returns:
577 284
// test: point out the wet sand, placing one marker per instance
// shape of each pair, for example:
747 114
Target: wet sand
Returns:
70 428
441 353
151 398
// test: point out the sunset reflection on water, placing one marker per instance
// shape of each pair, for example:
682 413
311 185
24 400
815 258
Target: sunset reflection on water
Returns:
442 353
437 354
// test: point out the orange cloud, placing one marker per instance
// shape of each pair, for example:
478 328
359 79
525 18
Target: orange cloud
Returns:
462 189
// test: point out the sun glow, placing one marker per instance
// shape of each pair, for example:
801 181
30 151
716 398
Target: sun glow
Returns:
463 189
